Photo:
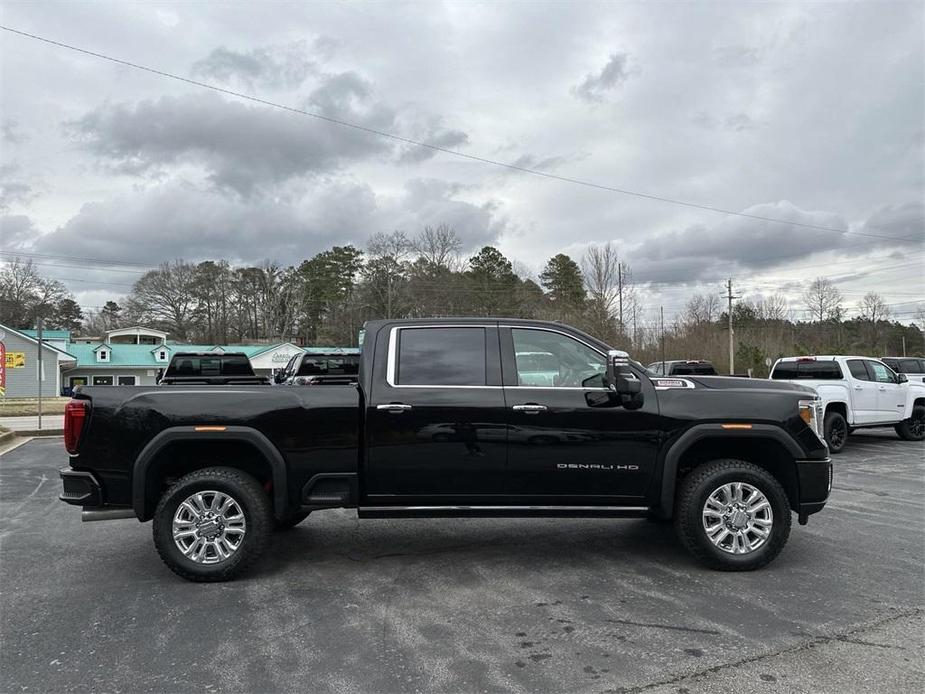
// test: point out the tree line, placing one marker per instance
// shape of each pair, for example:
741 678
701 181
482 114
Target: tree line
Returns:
325 299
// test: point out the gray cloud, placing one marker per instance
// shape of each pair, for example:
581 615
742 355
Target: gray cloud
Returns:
240 147
17 232
595 87
12 188
736 55
432 131
735 122
735 244
285 66
10 132
181 220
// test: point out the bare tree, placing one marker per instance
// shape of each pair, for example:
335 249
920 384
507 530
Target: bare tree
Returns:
873 308
773 308
823 300
439 247
601 269
701 308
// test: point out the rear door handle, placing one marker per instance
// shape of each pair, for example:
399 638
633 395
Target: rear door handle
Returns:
529 408
859 387
394 407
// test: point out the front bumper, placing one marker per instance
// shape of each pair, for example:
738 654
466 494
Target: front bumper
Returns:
815 478
81 488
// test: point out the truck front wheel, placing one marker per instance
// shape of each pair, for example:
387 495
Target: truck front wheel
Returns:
913 429
732 515
212 524
835 429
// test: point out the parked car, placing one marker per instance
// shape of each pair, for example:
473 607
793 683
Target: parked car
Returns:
858 392
912 367
316 369
682 367
439 425
211 369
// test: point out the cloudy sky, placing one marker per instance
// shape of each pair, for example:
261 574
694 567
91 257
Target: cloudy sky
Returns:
807 113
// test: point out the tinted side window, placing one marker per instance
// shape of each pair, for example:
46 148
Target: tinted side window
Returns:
547 359
441 357
858 370
908 366
881 373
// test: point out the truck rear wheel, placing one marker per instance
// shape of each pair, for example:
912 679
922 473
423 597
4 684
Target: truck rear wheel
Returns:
913 429
732 515
212 524
835 429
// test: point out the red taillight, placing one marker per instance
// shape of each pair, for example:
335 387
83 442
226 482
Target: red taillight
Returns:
75 414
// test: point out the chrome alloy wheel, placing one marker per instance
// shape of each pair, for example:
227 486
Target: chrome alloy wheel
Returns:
737 518
209 527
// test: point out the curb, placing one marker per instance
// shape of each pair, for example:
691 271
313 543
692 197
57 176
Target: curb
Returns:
39 433
6 436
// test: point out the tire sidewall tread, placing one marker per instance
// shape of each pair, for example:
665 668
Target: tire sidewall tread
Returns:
257 510
692 494
903 430
831 417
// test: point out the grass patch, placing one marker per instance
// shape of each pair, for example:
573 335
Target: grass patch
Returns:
26 407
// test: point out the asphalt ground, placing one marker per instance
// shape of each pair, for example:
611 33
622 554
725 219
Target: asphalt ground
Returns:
549 605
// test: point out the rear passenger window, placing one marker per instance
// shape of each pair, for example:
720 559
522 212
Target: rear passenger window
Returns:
441 357
858 370
809 370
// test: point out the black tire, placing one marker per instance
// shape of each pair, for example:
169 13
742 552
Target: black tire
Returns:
836 432
697 487
254 505
290 521
913 429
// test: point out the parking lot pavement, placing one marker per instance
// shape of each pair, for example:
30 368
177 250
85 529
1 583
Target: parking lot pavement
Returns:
470 605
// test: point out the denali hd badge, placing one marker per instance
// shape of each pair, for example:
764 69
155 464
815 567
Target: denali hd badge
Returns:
667 383
594 466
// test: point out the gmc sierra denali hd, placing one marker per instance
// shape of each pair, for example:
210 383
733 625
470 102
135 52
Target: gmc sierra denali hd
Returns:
448 420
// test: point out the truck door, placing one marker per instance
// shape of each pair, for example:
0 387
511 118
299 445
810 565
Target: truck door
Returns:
863 393
562 442
891 395
436 422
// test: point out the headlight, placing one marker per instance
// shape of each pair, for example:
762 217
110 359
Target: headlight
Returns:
811 413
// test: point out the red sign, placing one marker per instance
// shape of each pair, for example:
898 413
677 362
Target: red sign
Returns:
2 369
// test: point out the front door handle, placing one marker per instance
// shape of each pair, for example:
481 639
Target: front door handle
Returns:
859 387
529 408
394 407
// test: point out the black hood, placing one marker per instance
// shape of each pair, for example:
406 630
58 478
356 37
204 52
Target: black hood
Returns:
736 383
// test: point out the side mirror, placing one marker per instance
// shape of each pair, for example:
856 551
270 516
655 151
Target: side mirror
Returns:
628 386
902 378
624 390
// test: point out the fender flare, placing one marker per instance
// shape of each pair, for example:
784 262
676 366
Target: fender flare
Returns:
699 432
188 433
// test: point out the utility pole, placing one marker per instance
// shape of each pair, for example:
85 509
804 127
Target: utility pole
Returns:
38 334
662 330
620 295
904 345
732 355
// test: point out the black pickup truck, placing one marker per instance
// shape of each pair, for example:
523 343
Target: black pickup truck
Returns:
211 369
453 417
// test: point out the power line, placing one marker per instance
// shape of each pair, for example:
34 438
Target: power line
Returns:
437 148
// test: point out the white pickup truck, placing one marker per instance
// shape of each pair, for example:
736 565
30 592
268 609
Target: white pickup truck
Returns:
858 392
